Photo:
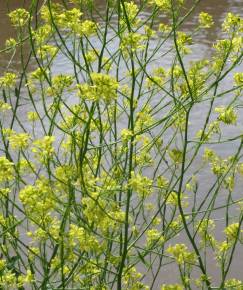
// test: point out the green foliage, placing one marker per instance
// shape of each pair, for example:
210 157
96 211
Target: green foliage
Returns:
101 168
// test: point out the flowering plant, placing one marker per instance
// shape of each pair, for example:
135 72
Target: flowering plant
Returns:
101 168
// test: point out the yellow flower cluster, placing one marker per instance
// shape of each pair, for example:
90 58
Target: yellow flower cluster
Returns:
19 17
38 74
103 87
164 28
181 253
238 78
232 231
232 22
131 280
154 237
176 155
142 185
162 182
10 43
68 19
87 28
43 148
126 135
143 155
105 215
4 106
157 78
131 14
213 128
132 42
59 84
234 284
165 4
228 48
204 228
19 141
226 115
8 80
38 199
6 169
25 280
183 39
32 116
47 51
131 10
205 20
66 173
144 119
9 280
41 34
78 236
173 199
219 166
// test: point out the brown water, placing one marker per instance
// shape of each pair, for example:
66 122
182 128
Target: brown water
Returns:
204 41
217 8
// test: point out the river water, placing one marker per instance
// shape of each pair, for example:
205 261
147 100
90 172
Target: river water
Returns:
202 47
217 8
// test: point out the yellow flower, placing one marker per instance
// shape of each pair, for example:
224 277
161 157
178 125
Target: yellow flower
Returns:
6 169
19 140
131 9
24 280
104 87
162 182
32 116
46 51
231 22
140 184
165 4
8 280
173 199
91 56
238 78
38 74
154 236
4 106
233 284
164 28
8 80
43 148
87 28
232 231
37 199
176 155
182 40
226 115
222 248
205 20
10 43
78 236
133 41
59 84
2 264
181 254
42 33
19 17
126 135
